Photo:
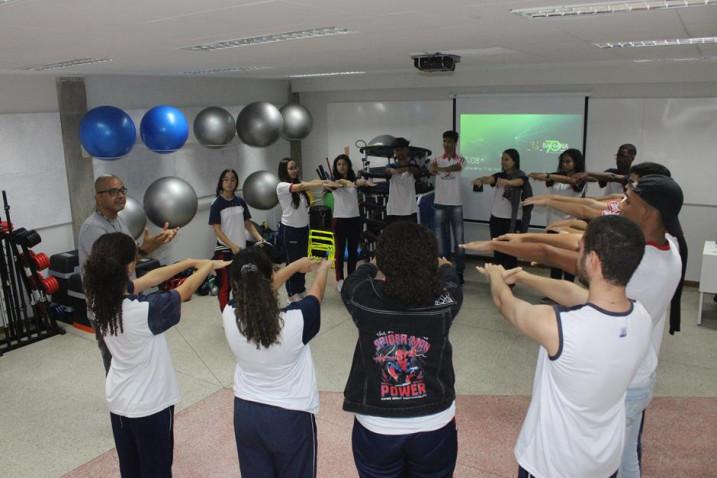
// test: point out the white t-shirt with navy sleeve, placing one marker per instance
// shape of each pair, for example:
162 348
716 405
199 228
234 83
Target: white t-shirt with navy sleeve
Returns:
142 380
291 216
230 215
575 425
281 375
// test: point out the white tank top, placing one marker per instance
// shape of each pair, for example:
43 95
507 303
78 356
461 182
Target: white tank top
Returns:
575 426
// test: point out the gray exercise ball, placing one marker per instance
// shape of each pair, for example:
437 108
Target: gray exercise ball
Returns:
214 127
297 121
134 217
170 199
382 140
259 190
259 124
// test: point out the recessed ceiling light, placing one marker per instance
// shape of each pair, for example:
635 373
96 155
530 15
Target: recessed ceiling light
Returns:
676 60
667 42
66 64
335 73
272 38
233 69
608 7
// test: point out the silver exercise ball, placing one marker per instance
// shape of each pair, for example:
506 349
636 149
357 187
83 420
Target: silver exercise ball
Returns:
259 124
170 199
382 140
259 190
134 217
297 121
214 127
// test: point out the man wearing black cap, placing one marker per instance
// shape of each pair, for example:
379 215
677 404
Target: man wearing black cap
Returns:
654 203
401 176
614 179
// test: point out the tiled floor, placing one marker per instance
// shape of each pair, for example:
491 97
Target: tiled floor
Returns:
53 416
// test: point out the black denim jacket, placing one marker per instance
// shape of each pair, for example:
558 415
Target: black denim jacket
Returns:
403 360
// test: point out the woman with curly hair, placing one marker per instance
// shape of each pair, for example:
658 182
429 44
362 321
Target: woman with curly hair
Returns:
401 384
141 384
276 396
294 225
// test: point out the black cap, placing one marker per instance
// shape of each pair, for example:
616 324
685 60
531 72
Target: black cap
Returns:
665 195
400 143
627 149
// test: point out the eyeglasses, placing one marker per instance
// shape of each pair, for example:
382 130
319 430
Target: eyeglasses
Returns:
114 191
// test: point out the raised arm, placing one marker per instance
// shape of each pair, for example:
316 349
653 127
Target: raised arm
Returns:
534 252
303 265
536 321
489 180
570 242
307 185
318 286
562 292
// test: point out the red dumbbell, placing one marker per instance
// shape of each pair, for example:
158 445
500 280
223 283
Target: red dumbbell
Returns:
50 285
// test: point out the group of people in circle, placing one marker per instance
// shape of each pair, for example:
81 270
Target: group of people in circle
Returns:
599 344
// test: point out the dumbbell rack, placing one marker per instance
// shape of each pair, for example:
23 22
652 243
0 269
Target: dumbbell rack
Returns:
25 315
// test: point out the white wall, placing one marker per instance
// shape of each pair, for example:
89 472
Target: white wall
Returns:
699 221
22 94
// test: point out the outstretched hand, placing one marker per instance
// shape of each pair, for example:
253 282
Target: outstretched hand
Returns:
442 261
497 272
307 264
536 201
510 237
152 242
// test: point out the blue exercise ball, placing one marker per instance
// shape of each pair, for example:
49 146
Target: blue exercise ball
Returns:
107 132
164 129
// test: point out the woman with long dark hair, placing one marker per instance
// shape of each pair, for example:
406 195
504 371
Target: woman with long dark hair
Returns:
276 396
568 182
141 385
401 384
507 215
230 219
346 216
294 227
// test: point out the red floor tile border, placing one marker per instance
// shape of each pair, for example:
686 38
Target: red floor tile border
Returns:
679 438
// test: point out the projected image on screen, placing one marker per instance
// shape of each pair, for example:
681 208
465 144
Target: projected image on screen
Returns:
538 137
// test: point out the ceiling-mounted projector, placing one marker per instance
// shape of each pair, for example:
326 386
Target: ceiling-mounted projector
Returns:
436 62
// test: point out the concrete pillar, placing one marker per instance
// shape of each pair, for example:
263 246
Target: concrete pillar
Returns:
72 103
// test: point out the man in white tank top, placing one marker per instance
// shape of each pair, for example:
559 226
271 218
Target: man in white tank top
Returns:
590 350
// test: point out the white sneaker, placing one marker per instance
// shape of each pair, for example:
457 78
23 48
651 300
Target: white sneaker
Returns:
339 285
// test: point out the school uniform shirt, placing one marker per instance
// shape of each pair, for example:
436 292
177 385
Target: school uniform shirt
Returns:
401 193
566 190
501 206
141 380
230 215
345 203
291 216
653 284
612 187
281 375
448 184
575 425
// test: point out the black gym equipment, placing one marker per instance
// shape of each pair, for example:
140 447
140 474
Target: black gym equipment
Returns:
25 315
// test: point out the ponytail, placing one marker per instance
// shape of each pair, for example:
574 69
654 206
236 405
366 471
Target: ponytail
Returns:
106 278
256 310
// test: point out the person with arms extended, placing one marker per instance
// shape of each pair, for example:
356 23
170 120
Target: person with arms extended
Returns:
230 219
590 348
401 384
447 202
276 396
294 226
141 385
401 176
507 215
110 199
